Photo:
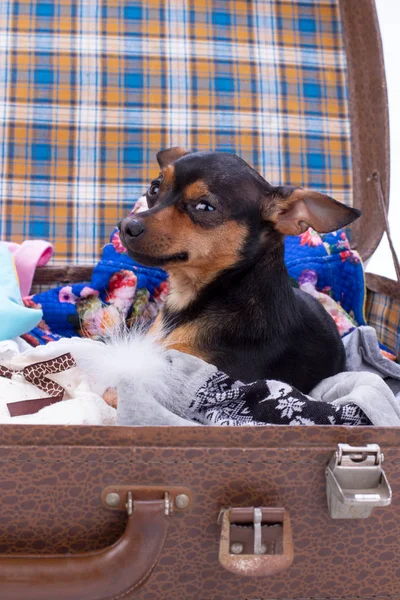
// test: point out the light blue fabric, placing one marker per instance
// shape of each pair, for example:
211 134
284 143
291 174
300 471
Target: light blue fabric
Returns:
15 318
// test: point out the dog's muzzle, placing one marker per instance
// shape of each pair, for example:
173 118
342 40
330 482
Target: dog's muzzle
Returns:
131 229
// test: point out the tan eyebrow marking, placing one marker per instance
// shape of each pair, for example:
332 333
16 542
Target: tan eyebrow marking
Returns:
196 190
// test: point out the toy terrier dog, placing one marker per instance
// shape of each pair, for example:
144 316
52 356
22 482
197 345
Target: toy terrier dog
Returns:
217 227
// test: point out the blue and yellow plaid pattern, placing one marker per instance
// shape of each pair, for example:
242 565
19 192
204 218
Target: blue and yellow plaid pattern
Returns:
90 90
383 314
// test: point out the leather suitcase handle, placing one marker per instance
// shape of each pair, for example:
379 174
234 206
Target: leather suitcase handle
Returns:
255 565
101 575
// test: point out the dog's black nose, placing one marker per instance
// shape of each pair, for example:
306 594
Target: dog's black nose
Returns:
132 228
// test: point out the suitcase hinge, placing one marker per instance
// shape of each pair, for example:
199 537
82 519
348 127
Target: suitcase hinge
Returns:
356 482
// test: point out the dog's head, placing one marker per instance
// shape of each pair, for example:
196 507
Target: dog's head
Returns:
210 211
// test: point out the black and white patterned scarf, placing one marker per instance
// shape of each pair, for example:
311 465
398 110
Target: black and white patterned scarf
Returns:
223 401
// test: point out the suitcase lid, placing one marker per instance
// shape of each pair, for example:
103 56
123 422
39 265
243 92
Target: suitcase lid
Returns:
296 88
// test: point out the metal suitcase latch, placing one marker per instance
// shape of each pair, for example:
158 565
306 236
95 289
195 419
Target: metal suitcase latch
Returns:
255 542
356 482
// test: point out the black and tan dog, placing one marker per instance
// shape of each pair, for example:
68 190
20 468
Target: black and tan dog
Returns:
217 227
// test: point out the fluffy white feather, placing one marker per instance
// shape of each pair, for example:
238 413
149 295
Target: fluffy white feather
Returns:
129 357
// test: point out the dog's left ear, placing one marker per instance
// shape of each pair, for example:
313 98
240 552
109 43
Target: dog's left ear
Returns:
166 157
294 210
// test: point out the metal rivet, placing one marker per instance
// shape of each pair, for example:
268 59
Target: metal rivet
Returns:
113 499
182 501
236 548
167 504
129 504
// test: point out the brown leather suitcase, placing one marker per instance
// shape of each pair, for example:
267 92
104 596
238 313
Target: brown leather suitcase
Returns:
66 533
294 513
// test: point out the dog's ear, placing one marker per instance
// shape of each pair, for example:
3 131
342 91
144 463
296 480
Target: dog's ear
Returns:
294 210
166 157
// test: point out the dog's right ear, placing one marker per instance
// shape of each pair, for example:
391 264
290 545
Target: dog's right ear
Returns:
166 157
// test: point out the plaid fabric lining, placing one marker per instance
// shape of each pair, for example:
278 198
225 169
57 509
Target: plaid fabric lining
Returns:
90 91
383 313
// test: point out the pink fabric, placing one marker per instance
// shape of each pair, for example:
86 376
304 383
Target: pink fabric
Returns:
29 255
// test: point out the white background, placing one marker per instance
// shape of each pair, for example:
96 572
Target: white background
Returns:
389 22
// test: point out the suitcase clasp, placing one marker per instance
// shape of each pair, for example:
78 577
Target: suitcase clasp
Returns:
356 482
255 542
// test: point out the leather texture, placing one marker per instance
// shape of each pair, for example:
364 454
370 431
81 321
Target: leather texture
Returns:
113 572
51 480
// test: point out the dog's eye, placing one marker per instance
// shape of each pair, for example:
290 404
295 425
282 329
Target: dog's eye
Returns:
204 206
154 188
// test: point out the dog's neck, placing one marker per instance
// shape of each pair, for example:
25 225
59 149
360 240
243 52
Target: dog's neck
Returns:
185 285
188 281
265 284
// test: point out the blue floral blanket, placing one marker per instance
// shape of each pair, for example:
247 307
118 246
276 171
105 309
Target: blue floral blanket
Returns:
121 289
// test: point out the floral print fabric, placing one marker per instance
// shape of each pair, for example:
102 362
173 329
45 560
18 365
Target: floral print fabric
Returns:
121 291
